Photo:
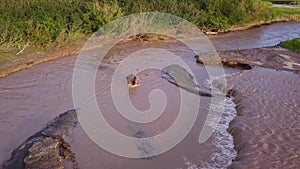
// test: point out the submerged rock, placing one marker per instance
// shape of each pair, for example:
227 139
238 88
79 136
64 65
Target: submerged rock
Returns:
140 134
132 81
182 78
47 148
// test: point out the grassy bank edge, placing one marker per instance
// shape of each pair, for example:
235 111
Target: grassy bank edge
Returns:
292 45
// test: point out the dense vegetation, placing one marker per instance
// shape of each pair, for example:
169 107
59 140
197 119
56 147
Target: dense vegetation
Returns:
46 22
293 45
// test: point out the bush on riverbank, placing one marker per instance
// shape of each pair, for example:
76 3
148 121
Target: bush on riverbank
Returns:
44 23
293 45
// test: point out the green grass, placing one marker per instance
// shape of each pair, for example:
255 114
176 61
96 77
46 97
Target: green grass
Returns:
293 45
48 23
291 14
286 11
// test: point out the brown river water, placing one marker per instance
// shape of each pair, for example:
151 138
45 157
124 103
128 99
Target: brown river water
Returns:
29 99
262 36
268 126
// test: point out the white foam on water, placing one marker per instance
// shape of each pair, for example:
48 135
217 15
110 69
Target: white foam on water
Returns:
223 152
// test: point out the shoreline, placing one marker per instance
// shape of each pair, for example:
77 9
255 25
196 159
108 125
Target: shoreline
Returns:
29 59
37 57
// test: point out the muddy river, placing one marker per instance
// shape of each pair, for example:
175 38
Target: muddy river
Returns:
29 99
262 36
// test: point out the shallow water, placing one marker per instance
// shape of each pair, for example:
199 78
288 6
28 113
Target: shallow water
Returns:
50 95
201 154
31 98
267 128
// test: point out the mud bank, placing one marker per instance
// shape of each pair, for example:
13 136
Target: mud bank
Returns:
273 57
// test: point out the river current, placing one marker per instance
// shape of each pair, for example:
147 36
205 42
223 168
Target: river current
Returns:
29 99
